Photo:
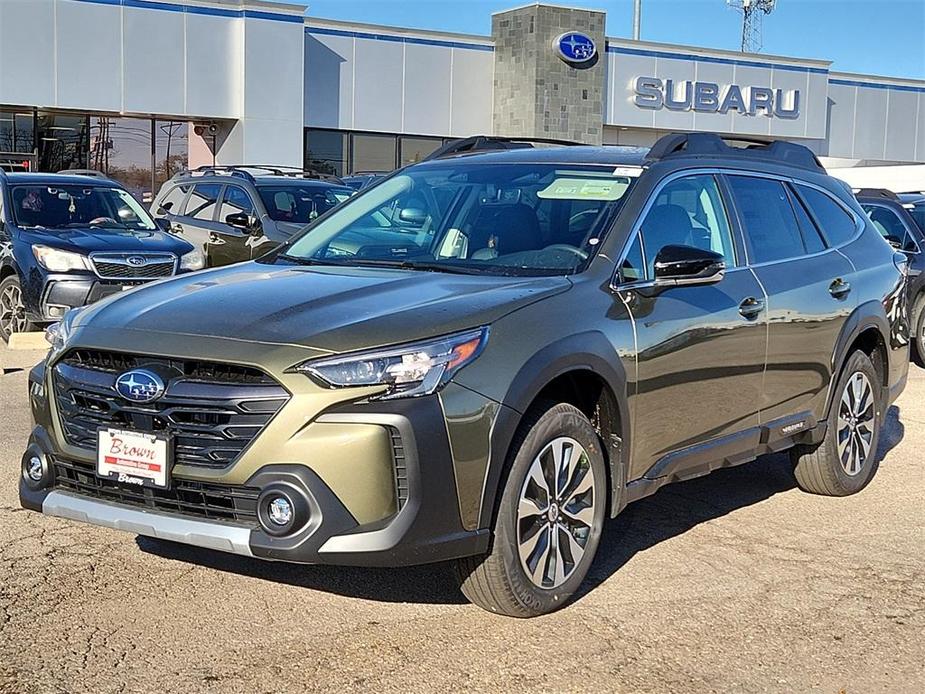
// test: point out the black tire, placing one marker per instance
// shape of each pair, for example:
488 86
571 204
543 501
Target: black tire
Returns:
917 323
821 469
15 322
498 581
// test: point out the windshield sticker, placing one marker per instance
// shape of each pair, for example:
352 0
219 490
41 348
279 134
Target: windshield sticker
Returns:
631 171
584 189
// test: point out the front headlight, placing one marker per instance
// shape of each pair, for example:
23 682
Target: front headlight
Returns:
192 261
410 370
59 334
55 260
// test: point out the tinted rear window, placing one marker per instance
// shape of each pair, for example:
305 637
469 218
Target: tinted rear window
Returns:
837 225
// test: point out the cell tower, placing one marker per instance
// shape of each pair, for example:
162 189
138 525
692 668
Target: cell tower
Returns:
752 13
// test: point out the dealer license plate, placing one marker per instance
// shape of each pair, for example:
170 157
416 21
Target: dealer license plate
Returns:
133 458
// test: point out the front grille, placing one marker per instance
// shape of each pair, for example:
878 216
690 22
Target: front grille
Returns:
400 467
133 266
212 411
219 502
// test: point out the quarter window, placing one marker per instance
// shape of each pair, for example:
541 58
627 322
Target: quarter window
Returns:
633 267
687 212
767 218
837 225
201 203
812 239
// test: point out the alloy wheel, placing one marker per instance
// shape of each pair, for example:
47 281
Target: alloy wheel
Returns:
856 415
555 512
12 311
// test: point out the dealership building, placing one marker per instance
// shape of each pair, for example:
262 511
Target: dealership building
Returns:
142 88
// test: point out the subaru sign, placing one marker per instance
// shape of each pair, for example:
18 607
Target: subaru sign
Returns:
140 385
575 48
708 97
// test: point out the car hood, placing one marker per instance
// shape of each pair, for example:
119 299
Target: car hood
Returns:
116 240
323 308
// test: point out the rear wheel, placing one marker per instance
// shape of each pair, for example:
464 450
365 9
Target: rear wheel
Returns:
12 309
549 521
918 330
846 460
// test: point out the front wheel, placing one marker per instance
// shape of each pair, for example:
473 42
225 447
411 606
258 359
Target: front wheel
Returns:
12 309
549 520
846 460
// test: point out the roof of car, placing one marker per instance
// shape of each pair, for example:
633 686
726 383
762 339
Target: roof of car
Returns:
60 179
607 155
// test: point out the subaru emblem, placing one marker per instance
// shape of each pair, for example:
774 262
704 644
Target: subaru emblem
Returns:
575 48
140 385
136 260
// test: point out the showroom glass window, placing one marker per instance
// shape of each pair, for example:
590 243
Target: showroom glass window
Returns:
17 132
373 152
415 149
121 149
326 151
63 141
171 150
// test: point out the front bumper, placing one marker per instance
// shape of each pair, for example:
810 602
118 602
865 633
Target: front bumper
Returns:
424 526
62 292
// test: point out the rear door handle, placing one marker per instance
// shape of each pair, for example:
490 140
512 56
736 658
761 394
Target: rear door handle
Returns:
839 288
751 307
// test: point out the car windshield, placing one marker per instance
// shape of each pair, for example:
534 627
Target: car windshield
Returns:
505 219
301 204
72 206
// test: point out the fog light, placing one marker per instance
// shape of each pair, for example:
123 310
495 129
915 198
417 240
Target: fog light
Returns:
34 469
279 510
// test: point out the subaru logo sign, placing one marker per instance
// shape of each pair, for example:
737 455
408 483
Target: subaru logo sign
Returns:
140 385
575 48
136 260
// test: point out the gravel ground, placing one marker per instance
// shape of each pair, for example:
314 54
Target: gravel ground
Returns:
733 582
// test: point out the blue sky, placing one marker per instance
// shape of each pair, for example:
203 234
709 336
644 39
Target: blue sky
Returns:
881 37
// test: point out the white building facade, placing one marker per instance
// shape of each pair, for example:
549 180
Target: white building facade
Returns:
142 88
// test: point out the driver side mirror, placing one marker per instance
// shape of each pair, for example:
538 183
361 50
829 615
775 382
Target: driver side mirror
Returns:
686 265
412 216
243 222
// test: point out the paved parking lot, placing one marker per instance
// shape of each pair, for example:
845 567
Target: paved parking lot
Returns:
735 582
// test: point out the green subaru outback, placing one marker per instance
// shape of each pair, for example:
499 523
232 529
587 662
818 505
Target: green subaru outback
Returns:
481 358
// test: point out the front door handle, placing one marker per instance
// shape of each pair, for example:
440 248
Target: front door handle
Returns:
839 288
751 307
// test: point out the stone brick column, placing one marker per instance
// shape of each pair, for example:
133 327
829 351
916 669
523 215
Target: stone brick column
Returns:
536 93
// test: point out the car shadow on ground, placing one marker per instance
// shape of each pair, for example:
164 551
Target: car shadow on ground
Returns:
671 512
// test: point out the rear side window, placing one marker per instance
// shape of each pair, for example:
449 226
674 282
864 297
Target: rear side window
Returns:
837 225
173 200
201 203
768 219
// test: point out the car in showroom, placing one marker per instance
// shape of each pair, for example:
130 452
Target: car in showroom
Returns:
69 240
892 216
237 213
541 336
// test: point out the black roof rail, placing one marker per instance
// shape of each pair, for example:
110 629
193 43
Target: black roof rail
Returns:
875 193
483 143
244 171
711 144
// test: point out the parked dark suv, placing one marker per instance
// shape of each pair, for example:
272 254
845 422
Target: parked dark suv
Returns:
235 213
564 330
893 218
68 240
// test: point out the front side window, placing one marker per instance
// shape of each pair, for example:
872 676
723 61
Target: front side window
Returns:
202 201
767 219
235 201
837 225
890 226
504 219
74 206
301 204
687 212
918 214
